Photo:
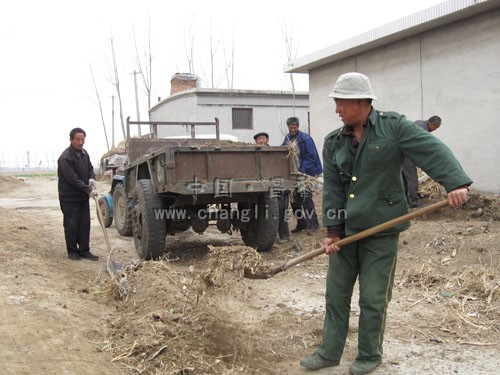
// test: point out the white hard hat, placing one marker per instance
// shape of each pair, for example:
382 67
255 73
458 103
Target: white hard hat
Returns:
352 86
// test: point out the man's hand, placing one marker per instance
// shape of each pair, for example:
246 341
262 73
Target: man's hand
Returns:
93 194
330 248
458 197
93 184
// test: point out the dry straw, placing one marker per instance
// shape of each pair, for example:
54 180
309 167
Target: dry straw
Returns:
182 322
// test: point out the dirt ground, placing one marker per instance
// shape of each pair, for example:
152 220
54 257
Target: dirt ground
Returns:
186 314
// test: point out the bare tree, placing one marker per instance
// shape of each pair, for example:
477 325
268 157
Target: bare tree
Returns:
115 81
189 47
100 107
291 53
229 65
146 64
213 53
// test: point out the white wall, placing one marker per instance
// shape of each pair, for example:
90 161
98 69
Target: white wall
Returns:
452 71
269 113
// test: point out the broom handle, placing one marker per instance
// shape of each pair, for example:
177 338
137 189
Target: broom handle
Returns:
360 235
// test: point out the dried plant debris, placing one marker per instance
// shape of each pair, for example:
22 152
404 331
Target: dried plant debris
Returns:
173 322
470 299
228 262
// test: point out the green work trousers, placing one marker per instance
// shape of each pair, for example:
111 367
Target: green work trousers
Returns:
374 261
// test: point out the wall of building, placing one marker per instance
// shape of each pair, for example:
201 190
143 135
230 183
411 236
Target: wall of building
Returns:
270 112
452 71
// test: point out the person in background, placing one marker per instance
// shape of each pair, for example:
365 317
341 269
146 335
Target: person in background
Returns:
282 196
309 164
410 176
363 188
261 138
76 184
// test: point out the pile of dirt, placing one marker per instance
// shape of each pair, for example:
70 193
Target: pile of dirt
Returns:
178 322
9 182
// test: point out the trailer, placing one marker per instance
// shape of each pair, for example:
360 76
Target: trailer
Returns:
170 185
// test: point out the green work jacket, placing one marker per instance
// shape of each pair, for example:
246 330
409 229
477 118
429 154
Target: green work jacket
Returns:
365 188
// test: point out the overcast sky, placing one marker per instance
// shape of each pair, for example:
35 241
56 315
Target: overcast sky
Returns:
49 46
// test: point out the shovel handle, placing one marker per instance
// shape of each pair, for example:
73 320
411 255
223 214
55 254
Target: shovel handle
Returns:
363 234
101 221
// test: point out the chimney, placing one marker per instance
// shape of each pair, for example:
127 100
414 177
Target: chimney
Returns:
182 82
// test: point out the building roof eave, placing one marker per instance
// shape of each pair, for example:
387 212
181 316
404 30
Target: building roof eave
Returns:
425 20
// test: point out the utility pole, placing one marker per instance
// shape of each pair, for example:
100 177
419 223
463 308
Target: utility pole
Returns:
137 102
112 121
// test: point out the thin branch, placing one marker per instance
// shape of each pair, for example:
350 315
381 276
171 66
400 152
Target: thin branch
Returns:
100 106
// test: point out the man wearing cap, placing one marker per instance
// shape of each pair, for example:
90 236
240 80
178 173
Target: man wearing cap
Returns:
410 176
363 188
304 149
261 138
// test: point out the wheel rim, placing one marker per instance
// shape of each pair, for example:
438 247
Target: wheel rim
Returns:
120 209
138 221
104 210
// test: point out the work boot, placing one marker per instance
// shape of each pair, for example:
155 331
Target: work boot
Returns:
311 231
88 255
316 362
363 366
298 229
73 255
283 240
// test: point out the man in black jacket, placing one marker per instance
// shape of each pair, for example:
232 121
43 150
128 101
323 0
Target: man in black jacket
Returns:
76 183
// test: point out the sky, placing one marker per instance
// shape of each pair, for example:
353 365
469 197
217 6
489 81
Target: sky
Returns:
52 46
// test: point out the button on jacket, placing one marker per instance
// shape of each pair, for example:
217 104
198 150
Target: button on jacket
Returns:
365 186
74 170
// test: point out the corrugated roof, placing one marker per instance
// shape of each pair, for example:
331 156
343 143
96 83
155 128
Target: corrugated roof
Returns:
436 16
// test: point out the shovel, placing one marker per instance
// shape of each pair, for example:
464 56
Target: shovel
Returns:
110 264
347 240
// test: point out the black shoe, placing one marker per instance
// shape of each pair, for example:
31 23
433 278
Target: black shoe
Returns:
311 231
73 256
88 255
298 229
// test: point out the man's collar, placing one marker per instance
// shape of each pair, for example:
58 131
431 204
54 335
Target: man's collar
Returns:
77 152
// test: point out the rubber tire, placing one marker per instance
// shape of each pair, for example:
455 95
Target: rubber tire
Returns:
148 230
123 220
105 212
260 233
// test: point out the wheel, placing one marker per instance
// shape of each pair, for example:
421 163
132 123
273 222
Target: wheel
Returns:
122 211
149 230
105 212
260 232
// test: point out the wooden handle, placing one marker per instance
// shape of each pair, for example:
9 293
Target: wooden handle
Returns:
363 234
101 221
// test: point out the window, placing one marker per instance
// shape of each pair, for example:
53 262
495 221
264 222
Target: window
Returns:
242 118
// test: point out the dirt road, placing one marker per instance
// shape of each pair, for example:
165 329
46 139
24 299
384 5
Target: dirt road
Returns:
62 317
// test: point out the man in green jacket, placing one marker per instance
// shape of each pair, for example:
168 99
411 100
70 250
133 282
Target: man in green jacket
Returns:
363 187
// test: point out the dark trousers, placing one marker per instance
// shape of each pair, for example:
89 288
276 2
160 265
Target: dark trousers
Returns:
304 210
283 229
76 224
373 261
410 179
